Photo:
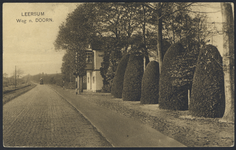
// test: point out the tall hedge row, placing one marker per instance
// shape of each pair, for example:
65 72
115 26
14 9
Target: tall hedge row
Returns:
117 86
207 96
133 78
150 84
173 91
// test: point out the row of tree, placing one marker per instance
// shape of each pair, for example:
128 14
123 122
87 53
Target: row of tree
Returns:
122 28
136 27
182 71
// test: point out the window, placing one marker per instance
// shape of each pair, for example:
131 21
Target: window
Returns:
93 79
89 58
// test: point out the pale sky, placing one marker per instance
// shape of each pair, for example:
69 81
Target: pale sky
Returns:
213 12
29 46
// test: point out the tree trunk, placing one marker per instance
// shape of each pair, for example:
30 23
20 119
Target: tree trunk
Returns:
144 39
144 63
159 36
228 60
80 84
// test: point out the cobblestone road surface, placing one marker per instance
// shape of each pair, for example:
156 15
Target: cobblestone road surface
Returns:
41 118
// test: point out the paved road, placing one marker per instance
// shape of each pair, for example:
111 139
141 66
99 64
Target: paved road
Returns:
119 130
41 118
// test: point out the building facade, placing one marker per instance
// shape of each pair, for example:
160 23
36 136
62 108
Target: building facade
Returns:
94 79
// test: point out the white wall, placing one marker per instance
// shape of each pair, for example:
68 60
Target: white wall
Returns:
89 74
95 79
99 79
98 58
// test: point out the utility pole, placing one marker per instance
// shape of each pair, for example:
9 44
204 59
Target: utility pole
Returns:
228 60
76 74
79 87
15 77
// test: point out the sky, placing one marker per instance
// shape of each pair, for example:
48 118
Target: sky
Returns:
214 19
29 46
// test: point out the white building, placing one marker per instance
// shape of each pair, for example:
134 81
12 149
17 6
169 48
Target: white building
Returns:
94 79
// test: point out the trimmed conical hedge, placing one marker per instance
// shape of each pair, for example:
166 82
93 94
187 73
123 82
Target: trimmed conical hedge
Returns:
173 91
150 84
207 96
133 78
117 86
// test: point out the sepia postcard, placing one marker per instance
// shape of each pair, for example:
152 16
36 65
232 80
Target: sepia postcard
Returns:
118 74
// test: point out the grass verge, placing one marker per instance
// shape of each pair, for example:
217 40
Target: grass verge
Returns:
15 93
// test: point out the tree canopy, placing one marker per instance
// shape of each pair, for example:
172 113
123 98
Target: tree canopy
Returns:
127 28
75 34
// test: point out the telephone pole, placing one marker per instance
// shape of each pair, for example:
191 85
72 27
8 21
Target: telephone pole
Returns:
78 91
15 77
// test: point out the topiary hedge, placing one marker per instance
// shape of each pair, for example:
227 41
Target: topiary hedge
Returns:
150 84
207 96
117 86
133 78
173 90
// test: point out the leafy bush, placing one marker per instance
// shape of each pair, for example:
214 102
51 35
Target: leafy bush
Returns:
133 78
173 91
150 84
106 88
69 85
117 86
207 96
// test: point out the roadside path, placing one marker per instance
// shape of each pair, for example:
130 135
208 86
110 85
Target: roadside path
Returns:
119 130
